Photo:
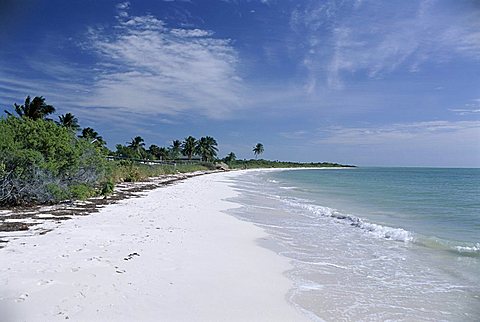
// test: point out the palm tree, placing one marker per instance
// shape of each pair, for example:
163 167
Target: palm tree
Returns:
69 121
123 151
137 146
258 149
230 157
154 150
35 109
207 148
175 149
163 153
188 147
91 135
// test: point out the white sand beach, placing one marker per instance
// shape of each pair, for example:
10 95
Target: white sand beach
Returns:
172 255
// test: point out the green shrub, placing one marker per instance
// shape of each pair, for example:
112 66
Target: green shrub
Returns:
40 159
81 191
57 193
132 174
107 188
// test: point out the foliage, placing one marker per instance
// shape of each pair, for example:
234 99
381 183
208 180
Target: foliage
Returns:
92 136
43 161
153 152
124 151
163 153
69 121
40 160
175 149
188 147
137 146
185 168
57 192
258 149
33 109
132 172
82 191
207 148
260 163
107 187
230 158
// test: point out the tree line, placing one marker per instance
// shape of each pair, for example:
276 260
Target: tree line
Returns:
204 149
45 160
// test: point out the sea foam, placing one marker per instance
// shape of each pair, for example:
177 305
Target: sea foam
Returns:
469 249
374 230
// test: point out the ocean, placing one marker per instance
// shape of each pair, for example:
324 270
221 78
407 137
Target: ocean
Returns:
373 244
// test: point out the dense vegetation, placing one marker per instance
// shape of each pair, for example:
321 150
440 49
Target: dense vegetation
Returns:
260 163
41 161
205 149
44 161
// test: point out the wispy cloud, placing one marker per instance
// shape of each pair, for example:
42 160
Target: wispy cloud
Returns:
401 133
141 68
376 38
470 108
123 5
149 68
390 134
427 143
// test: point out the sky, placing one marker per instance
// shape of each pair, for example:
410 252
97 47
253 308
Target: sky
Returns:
370 83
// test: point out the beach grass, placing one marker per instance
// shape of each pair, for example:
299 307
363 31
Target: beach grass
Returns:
132 172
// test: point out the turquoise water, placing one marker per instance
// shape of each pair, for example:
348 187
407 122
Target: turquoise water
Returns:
373 243
431 203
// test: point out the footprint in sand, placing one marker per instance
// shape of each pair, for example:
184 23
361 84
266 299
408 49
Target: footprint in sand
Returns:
22 298
93 258
119 270
97 259
44 282
130 256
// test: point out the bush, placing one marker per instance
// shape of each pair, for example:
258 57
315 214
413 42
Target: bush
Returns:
81 191
107 188
41 162
57 193
129 171
132 174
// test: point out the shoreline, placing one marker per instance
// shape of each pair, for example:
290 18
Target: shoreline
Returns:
26 221
173 254
349 266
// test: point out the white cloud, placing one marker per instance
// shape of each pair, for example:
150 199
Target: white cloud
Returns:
429 143
143 69
378 38
387 134
123 5
473 107
147 67
402 133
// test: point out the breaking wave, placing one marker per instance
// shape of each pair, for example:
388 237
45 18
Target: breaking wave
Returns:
375 230
383 231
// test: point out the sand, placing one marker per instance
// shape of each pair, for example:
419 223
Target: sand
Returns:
172 255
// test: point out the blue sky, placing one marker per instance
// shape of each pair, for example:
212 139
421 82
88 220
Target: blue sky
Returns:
360 82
